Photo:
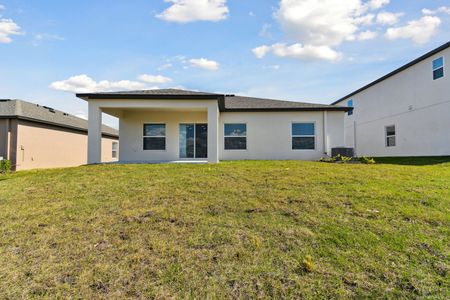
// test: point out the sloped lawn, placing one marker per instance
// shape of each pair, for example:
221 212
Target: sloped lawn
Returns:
233 230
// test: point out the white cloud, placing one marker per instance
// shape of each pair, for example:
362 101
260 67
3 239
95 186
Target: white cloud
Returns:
365 20
299 51
442 9
388 18
420 31
204 63
85 84
165 66
7 29
261 51
184 11
321 23
154 78
2 7
265 31
367 35
377 4
39 38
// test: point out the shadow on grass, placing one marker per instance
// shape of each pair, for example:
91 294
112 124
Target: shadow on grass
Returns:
414 160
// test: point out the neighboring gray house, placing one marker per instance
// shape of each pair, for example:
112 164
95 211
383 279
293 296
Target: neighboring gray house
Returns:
34 136
405 113
179 125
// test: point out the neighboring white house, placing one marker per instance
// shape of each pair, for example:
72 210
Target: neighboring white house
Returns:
177 125
405 113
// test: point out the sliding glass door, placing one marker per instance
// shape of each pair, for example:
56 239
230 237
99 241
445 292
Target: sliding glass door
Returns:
193 140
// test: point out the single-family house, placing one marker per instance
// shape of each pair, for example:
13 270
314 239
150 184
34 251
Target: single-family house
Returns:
404 113
34 136
180 125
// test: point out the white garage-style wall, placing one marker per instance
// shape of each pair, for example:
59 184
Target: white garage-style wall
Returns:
417 105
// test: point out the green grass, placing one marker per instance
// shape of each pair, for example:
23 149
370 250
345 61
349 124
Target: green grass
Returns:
414 160
232 230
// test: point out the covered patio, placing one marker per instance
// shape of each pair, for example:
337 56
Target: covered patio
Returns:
158 130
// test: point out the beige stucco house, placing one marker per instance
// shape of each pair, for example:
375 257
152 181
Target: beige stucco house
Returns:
34 136
179 125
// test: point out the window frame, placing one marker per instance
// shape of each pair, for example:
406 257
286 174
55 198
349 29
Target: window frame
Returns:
386 136
350 104
233 136
300 136
435 69
154 136
115 152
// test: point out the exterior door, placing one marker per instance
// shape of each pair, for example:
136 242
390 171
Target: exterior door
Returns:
193 140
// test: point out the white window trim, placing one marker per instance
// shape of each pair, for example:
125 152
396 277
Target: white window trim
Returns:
234 136
314 136
155 136
386 136
115 151
434 69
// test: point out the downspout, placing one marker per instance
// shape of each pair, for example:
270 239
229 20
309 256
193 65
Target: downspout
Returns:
354 139
325 133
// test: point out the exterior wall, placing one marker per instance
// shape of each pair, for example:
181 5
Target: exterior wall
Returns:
268 134
46 146
8 139
4 130
417 105
133 113
131 133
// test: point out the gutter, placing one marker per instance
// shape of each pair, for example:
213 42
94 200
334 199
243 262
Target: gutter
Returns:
80 129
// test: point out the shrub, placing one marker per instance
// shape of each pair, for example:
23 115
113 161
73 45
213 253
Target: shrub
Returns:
345 159
5 166
366 160
338 158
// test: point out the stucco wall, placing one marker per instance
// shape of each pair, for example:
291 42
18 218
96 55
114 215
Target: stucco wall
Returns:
268 134
45 146
417 105
131 133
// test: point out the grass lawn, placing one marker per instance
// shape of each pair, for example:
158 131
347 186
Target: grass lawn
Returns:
232 230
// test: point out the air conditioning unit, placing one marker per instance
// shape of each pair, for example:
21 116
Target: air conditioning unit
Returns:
343 151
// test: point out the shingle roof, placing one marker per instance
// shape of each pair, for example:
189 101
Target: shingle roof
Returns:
34 112
226 102
240 103
152 92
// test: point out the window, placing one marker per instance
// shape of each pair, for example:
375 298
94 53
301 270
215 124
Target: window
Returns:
115 147
350 104
303 136
154 136
438 68
235 136
390 136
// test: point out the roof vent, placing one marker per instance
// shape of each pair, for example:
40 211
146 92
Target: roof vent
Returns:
49 109
66 114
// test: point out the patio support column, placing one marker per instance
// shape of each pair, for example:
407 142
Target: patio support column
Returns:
213 134
94 134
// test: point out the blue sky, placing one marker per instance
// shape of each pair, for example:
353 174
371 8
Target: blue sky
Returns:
303 50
